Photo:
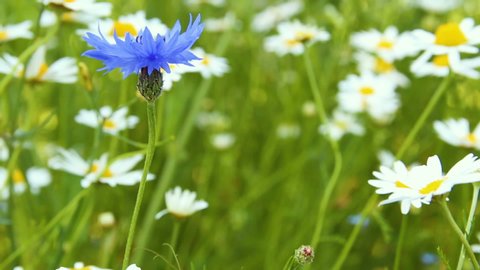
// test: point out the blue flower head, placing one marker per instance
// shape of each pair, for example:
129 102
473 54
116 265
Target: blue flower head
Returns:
145 52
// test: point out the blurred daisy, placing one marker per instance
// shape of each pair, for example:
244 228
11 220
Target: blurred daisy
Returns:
214 120
15 31
440 66
221 24
81 266
450 39
293 37
217 3
271 16
457 132
288 131
341 124
222 141
368 93
4 189
91 7
209 65
154 52
112 122
386 158
38 178
50 18
106 219
437 6
176 72
4 152
64 70
417 185
476 247
380 66
133 267
130 23
181 204
118 172
389 45
309 108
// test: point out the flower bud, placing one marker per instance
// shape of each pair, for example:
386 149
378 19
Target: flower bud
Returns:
304 255
150 85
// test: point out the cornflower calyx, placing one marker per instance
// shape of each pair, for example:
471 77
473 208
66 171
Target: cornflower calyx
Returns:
304 255
150 85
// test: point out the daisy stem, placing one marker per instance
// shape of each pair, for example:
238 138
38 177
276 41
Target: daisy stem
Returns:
401 237
458 231
469 225
148 161
332 182
174 238
423 117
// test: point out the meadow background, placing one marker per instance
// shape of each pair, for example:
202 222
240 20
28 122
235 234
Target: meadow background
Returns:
264 190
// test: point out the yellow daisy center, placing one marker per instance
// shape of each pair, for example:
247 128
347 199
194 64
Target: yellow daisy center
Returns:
291 42
94 168
206 61
366 90
400 184
18 177
471 138
341 125
303 36
441 60
382 66
109 124
41 71
67 16
450 34
3 35
431 187
385 44
107 173
122 28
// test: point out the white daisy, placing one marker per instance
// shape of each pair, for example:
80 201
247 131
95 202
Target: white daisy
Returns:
217 3
386 158
91 7
368 93
38 178
15 31
309 108
81 266
457 132
381 67
133 267
181 204
4 152
50 18
341 124
389 45
271 16
222 141
118 172
417 186
440 66
292 38
436 6
222 24
209 65
450 39
288 131
106 219
112 122
131 23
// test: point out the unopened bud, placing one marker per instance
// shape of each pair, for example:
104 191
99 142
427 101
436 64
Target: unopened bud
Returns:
150 86
86 78
304 255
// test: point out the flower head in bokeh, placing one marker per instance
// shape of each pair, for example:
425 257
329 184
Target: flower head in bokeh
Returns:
15 31
181 203
457 132
112 122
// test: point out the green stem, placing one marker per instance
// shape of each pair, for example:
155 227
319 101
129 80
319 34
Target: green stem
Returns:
288 265
401 238
405 145
332 182
458 231
471 214
174 238
58 218
141 188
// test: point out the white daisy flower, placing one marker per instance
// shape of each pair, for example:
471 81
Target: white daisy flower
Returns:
15 31
131 23
417 186
118 172
133 267
38 178
181 204
212 120
81 266
381 67
389 45
292 38
222 24
91 7
176 72
368 93
209 65
4 152
341 124
106 219
457 132
217 3
112 122
436 6
50 18
440 66
271 16
222 141
386 158
450 39
288 131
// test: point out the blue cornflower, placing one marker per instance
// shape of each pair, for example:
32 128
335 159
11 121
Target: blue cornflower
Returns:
145 52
